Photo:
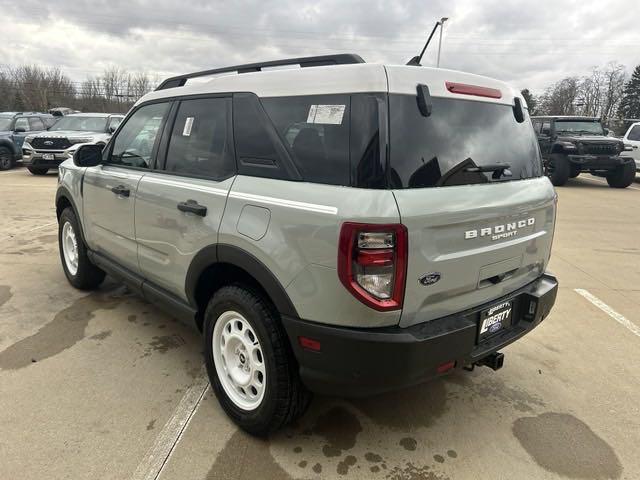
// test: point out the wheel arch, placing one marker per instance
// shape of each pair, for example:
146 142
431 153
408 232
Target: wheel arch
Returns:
218 265
64 199
5 142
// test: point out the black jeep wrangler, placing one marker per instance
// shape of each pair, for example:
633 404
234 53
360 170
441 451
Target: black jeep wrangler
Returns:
572 145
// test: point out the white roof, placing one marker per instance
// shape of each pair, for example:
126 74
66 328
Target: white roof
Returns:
335 79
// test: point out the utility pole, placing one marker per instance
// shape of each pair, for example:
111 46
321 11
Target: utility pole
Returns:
442 20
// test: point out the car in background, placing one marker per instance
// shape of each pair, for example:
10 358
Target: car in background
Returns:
48 149
571 145
632 139
62 111
14 127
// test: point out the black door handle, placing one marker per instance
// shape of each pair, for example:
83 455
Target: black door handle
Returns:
121 190
192 206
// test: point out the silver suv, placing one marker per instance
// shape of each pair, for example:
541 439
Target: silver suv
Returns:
344 228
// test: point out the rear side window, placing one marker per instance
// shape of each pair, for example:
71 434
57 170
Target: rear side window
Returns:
50 121
35 123
634 134
22 123
315 129
459 136
199 143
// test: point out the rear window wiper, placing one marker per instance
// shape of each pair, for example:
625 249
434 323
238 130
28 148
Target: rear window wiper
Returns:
498 169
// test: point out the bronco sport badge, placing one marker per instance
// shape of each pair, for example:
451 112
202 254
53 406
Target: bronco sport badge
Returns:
500 231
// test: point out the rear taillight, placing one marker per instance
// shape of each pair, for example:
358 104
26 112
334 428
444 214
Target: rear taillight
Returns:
372 263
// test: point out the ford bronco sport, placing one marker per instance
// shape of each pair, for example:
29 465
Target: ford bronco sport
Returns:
572 145
343 227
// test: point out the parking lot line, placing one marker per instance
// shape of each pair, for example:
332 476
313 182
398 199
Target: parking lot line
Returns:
618 317
158 455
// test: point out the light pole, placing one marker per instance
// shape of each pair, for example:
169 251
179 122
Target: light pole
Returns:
442 20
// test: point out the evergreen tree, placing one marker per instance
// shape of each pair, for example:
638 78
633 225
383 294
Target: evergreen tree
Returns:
532 101
630 102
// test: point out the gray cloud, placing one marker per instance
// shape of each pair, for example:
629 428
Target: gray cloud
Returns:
529 44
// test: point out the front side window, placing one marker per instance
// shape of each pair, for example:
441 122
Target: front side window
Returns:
114 122
5 123
81 124
458 139
316 131
22 123
634 134
199 143
133 146
546 128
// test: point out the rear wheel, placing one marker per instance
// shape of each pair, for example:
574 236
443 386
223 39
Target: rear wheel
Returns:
249 361
558 169
38 170
79 270
6 159
622 176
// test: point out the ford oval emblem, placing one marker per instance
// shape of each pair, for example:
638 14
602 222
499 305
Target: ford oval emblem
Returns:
430 278
48 142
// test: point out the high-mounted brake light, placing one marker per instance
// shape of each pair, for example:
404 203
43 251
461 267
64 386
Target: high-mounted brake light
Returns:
372 263
465 89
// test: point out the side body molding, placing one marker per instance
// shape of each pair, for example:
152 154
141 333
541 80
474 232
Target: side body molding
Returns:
228 254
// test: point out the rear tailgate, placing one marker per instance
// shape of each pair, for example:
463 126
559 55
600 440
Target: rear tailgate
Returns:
480 242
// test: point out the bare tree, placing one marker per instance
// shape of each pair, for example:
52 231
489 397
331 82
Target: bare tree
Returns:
615 76
560 98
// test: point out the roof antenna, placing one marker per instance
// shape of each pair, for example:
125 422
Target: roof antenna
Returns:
415 61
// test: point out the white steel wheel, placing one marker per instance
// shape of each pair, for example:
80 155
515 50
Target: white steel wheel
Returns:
70 248
239 360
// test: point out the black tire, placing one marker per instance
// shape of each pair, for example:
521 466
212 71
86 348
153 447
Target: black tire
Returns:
87 276
285 397
558 169
6 159
38 170
622 176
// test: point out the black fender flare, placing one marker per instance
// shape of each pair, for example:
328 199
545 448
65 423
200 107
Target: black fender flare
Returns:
231 255
5 142
63 192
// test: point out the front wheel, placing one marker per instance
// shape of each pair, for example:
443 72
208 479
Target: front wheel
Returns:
558 169
249 361
6 159
38 170
622 176
79 270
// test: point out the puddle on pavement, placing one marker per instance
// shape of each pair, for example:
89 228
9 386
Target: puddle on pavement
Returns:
566 446
339 428
65 330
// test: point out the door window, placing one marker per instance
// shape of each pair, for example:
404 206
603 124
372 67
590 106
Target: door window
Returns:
133 147
113 124
22 123
634 134
199 143
36 124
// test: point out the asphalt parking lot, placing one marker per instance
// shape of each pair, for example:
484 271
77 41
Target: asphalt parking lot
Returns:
107 386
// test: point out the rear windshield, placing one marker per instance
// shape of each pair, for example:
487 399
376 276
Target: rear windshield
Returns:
457 141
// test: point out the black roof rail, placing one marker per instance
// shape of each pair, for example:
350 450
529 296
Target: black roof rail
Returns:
318 61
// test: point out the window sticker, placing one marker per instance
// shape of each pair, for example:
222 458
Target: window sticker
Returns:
188 124
326 114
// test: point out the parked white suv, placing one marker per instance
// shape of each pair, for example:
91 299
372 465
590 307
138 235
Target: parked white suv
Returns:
632 138
344 228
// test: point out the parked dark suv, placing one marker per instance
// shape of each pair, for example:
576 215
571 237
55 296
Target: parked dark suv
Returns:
572 145
14 127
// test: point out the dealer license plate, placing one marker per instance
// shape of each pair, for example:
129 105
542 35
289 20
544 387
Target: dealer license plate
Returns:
494 319
48 156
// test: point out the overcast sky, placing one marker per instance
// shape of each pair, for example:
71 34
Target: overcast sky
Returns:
528 43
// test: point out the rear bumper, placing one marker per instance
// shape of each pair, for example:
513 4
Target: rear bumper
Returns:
595 162
361 362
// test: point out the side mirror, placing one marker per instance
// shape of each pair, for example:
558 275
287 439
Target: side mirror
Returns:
112 129
20 130
607 131
88 156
